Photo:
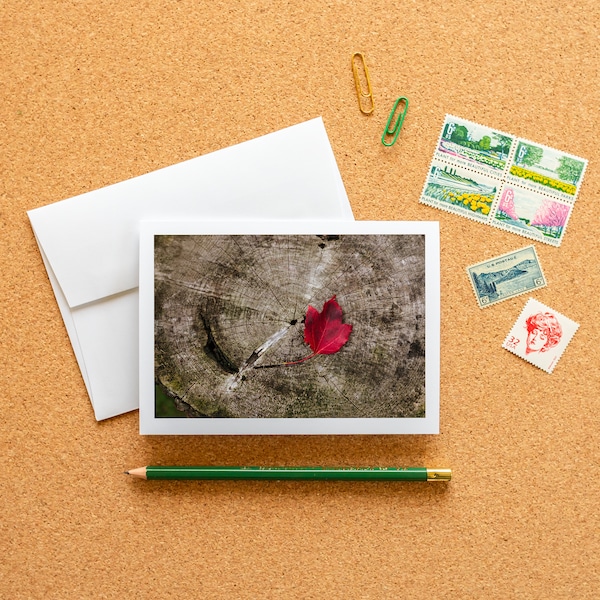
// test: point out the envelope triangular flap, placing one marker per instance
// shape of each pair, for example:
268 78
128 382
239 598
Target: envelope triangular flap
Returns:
91 240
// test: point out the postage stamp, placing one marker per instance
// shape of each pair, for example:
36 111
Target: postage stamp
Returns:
546 170
501 180
506 276
531 214
540 335
474 146
459 190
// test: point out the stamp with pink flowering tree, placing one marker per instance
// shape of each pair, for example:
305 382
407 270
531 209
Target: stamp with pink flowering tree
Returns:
498 179
531 214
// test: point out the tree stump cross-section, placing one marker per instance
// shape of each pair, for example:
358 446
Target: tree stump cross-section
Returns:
230 311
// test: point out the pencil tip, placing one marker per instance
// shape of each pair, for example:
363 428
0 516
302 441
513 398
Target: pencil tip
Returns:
139 473
126 472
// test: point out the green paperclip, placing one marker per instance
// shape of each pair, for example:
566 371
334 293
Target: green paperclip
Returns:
395 129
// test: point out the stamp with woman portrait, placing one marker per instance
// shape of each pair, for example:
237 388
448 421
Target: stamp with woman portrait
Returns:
540 335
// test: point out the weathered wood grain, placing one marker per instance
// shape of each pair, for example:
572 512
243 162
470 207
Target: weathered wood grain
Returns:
219 300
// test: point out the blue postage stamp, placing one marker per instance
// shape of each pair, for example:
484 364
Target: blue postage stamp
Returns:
506 276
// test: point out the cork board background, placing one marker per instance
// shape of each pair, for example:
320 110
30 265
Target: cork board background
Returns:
97 92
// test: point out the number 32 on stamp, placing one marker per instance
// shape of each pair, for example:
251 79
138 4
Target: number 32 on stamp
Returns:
540 335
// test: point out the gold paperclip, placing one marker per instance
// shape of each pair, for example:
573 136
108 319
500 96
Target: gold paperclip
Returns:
365 98
394 130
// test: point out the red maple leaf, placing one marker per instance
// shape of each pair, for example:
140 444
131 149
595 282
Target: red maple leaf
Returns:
324 331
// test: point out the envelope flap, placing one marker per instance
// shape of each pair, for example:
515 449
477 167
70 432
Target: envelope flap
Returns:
91 240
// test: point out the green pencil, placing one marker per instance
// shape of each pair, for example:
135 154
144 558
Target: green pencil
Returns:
304 473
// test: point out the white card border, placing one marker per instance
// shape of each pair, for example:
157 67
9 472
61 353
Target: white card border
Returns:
150 425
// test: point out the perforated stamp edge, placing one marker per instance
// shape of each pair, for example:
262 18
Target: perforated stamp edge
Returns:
503 179
516 339
532 233
539 282
538 187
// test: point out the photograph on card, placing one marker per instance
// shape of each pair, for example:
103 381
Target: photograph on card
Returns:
325 325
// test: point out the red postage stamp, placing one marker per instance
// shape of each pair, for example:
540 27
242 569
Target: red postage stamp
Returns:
540 335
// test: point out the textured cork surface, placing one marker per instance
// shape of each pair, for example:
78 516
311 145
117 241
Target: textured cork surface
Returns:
97 92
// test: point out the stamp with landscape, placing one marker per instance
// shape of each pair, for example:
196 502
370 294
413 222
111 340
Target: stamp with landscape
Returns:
496 178
460 191
546 170
506 276
474 146
531 214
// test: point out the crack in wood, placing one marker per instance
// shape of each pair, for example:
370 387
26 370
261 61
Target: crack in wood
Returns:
256 354
214 351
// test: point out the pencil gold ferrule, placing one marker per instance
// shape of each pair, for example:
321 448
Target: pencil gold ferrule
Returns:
439 474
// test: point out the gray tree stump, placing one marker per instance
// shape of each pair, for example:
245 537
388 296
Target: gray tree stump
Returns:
229 310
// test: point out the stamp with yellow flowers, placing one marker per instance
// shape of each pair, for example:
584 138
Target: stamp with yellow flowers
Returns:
546 170
496 178
460 191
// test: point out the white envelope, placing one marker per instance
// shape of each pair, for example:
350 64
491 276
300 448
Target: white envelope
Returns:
90 243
